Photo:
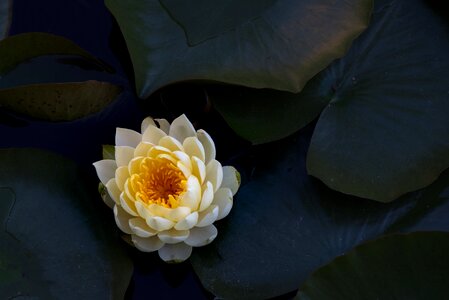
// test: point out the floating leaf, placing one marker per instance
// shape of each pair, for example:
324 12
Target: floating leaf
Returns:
411 266
59 101
5 17
262 44
108 152
54 240
287 224
385 131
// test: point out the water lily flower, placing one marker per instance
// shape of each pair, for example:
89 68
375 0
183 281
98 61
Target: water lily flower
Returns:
166 188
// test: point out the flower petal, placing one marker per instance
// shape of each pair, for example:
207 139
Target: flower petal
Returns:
208 144
208 196
140 228
173 214
123 154
188 222
113 190
173 236
201 236
164 125
198 169
152 135
159 223
122 219
148 121
149 244
171 143
214 174
134 165
142 149
128 205
223 199
105 169
208 216
127 137
231 179
156 150
184 158
181 128
121 175
107 198
192 196
193 147
143 210
175 253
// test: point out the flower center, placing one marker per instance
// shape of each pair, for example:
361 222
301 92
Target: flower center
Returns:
159 181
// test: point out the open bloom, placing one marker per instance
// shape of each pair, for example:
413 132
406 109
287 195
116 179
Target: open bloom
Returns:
167 188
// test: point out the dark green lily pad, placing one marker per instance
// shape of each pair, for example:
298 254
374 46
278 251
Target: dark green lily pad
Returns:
262 44
288 224
385 131
56 241
59 101
5 17
411 266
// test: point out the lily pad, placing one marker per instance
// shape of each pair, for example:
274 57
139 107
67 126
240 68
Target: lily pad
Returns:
59 101
5 17
55 240
411 266
385 131
262 44
288 224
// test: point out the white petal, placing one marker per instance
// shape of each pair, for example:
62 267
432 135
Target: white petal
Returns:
143 210
159 223
128 205
127 137
208 196
140 228
208 216
164 125
175 253
184 158
198 169
214 174
152 135
105 169
201 236
134 165
223 199
231 179
156 150
148 121
121 175
192 196
142 149
123 154
107 198
193 147
113 190
181 128
171 143
173 236
149 244
173 214
122 219
185 170
188 222
208 144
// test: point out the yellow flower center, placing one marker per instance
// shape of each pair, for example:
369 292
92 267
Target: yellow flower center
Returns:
159 181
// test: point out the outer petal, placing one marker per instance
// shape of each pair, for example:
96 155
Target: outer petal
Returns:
149 244
140 228
208 196
152 135
171 143
127 137
107 198
223 199
181 128
122 219
188 222
175 253
208 216
201 236
173 236
193 147
148 121
159 223
121 175
208 144
113 190
214 173
192 197
231 179
164 125
123 154
105 169
198 169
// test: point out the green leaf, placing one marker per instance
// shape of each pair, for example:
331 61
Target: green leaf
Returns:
59 101
5 17
288 224
56 242
385 131
108 152
261 44
22 47
411 266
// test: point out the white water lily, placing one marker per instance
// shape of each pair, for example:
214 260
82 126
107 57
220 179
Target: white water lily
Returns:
166 188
